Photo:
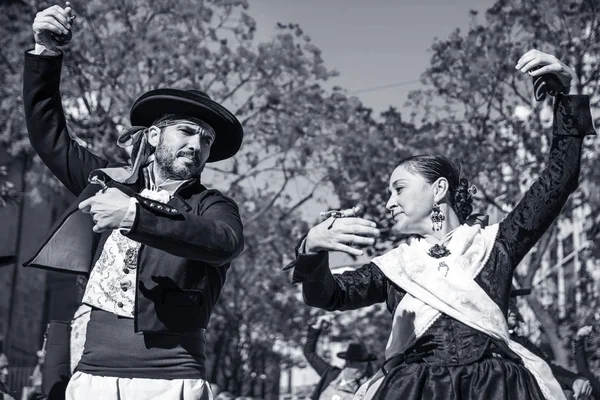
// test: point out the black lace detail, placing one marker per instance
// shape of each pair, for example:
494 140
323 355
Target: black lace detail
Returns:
572 116
350 290
542 203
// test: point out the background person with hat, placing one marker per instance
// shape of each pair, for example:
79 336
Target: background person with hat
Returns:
5 392
577 383
155 243
337 383
581 359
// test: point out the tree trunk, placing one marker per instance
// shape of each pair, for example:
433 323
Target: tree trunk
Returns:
550 328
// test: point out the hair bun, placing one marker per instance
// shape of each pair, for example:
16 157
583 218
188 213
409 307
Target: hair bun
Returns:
463 199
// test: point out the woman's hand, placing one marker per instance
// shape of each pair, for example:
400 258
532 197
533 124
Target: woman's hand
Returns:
340 234
581 388
584 331
537 63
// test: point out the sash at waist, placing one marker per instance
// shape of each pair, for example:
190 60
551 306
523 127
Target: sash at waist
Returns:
112 348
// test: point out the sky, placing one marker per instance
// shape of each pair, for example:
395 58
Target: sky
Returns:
371 43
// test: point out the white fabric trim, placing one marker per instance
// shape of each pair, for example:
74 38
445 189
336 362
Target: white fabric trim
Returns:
430 293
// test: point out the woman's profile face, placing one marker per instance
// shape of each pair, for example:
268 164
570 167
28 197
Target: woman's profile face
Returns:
410 202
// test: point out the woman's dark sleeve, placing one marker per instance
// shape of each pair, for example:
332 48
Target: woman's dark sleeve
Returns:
583 367
580 357
564 377
310 352
347 291
544 200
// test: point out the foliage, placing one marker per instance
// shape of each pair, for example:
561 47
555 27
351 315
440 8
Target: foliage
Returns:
7 191
121 49
477 109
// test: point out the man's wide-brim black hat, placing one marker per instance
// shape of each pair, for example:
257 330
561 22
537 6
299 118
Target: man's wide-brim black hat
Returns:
154 104
356 352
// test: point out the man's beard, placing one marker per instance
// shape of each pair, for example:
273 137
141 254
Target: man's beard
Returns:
165 162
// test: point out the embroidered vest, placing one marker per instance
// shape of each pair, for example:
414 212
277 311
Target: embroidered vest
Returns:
112 283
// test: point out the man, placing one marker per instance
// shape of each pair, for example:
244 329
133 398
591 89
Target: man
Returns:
34 389
568 380
4 390
155 242
581 359
336 383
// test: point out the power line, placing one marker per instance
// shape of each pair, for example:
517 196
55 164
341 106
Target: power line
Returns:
388 86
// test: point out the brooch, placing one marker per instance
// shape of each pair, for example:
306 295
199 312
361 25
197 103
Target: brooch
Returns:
438 251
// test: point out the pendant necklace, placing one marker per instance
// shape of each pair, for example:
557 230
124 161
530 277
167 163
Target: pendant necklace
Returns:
440 250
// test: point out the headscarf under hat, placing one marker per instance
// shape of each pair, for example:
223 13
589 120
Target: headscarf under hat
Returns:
195 106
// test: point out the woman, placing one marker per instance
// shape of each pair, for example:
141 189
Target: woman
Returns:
448 284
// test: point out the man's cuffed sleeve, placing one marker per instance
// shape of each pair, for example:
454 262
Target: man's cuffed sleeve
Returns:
129 218
40 50
214 235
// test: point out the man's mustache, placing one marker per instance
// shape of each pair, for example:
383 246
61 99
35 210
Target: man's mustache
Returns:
194 155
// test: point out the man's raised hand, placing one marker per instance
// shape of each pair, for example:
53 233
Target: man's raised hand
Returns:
52 20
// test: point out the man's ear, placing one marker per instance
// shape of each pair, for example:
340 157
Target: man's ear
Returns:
440 189
154 135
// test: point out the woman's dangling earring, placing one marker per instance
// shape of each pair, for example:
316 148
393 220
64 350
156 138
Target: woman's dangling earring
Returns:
437 217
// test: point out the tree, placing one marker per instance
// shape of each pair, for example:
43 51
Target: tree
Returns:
121 49
364 158
7 192
258 307
477 109
12 21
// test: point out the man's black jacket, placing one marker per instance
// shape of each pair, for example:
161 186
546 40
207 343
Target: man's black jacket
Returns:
187 244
